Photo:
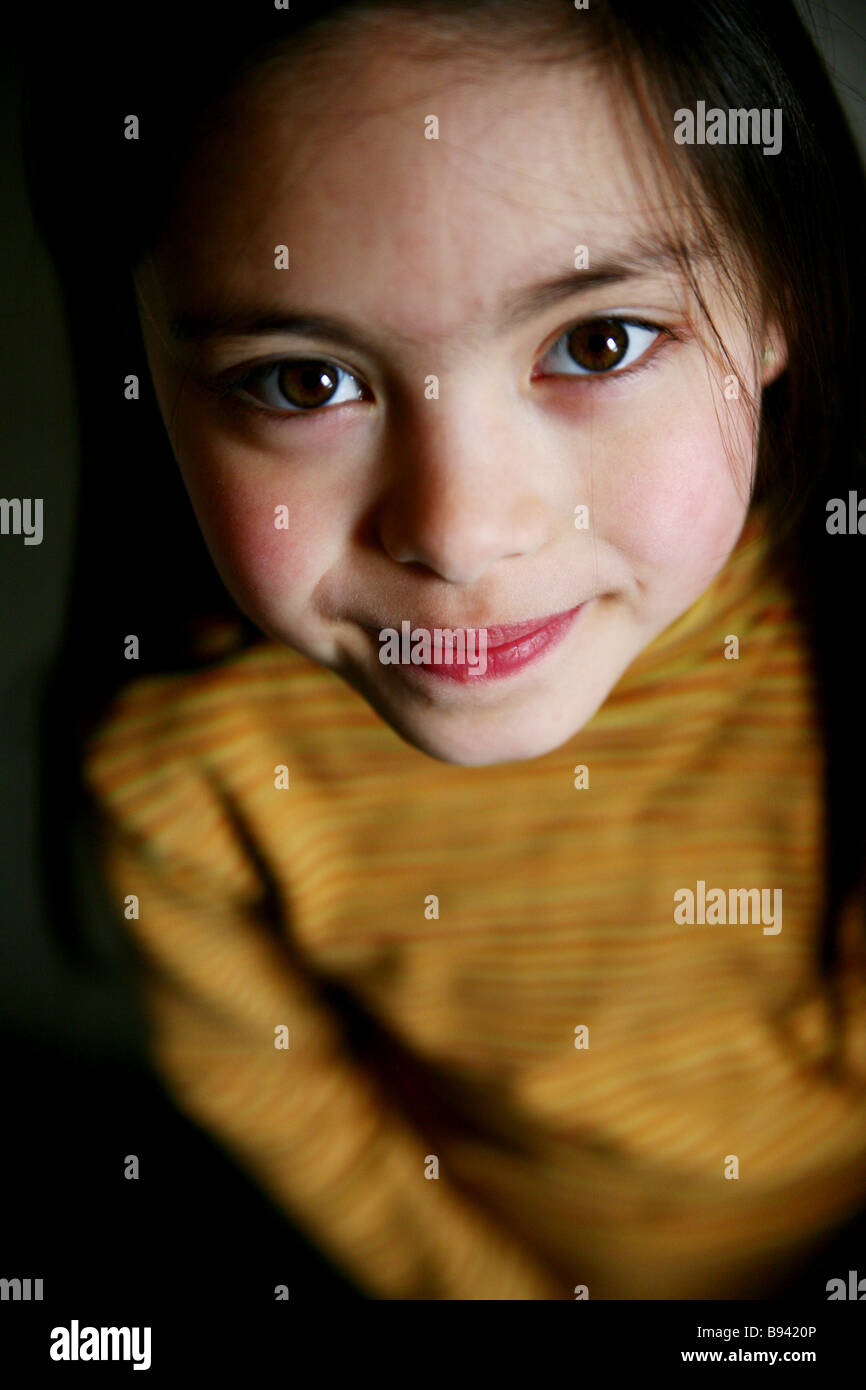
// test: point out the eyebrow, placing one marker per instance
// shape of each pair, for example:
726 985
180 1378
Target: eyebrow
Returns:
256 321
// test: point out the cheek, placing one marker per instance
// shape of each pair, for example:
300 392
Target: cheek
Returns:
680 489
271 530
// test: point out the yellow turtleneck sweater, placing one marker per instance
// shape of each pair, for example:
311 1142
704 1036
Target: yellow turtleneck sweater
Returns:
566 1086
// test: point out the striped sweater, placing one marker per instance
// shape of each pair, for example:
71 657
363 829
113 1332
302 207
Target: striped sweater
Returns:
455 1020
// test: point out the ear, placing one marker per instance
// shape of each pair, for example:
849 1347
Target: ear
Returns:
774 354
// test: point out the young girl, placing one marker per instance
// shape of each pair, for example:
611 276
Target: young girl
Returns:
538 973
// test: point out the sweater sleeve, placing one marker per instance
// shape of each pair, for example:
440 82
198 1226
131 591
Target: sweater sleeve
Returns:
311 1122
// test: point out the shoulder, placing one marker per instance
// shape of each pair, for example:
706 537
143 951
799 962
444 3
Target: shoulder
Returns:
159 722
179 762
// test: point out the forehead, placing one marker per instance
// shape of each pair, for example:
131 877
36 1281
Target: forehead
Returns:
419 186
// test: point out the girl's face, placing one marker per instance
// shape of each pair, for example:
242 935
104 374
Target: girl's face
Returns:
410 395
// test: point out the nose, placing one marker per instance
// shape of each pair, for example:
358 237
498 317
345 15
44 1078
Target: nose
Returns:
466 488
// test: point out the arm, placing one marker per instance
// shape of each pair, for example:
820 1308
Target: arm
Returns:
316 1128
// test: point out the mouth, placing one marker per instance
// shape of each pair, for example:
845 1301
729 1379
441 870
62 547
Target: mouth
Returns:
503 634
482 653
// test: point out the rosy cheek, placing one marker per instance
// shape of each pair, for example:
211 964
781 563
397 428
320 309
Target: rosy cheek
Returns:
258 528
677 502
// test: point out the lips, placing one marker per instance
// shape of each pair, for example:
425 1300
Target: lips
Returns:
498 634
505 648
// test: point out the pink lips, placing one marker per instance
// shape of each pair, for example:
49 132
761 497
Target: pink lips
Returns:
510 632
510 647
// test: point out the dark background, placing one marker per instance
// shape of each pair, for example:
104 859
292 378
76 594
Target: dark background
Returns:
76 1097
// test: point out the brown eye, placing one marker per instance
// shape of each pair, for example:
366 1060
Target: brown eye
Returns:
307 384
599 345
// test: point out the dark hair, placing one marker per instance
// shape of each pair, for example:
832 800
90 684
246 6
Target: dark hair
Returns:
799 215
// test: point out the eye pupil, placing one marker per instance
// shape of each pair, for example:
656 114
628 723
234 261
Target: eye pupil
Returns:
307 384
599 345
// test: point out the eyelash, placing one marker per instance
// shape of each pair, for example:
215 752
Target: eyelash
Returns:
231 389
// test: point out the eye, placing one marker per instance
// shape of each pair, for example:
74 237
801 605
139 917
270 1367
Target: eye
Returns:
299 384
601 347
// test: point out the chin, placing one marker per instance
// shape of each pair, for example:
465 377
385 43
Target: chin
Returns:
480 741
479 737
